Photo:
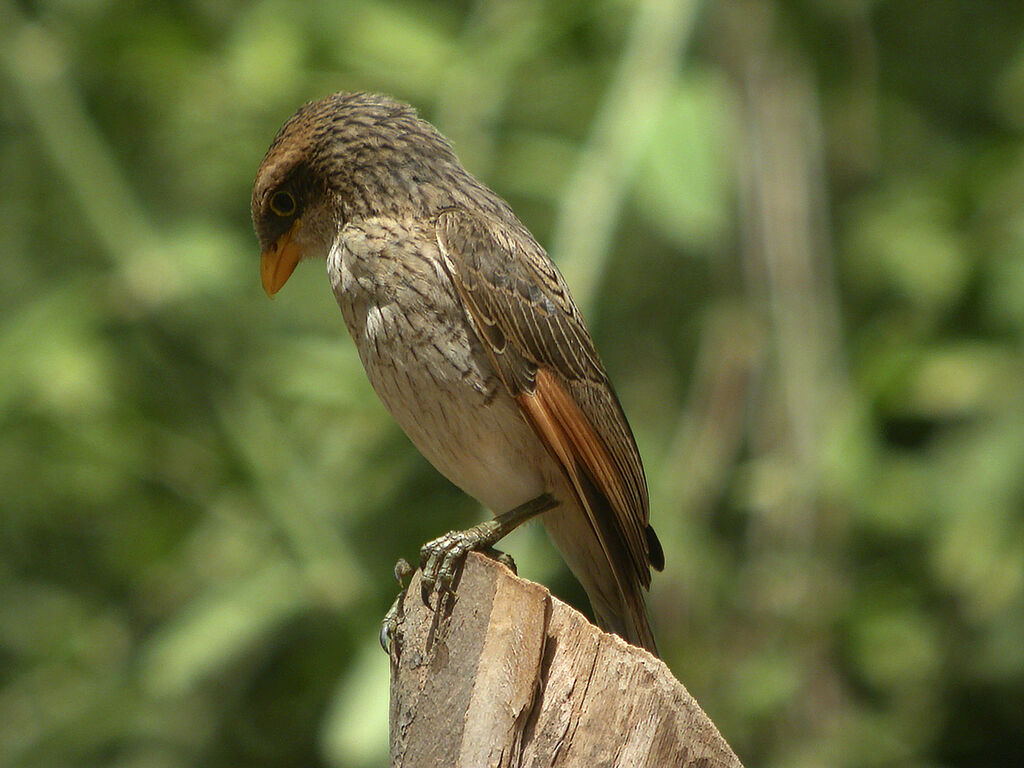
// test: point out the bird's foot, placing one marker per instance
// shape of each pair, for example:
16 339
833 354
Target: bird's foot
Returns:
441 558
390 622
403 570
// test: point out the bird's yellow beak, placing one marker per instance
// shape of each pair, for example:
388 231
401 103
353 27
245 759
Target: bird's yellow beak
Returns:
279 261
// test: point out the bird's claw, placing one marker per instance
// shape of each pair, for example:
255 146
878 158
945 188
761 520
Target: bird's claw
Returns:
502 557
390 622
402 571
440 560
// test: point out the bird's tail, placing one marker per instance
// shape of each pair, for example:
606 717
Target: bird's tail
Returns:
630 621
604 569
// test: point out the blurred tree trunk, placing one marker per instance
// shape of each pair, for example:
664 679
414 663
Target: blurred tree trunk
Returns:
504 674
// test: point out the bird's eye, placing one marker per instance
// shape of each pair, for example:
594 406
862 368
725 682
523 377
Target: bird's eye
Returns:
282 203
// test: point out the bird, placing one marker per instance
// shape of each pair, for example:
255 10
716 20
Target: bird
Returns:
469 336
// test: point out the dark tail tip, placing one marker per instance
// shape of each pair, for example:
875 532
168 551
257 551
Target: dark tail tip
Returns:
654 551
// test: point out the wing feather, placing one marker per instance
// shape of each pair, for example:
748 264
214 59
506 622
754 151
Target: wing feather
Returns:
541 347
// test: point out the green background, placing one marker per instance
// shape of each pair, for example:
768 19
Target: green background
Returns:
796 228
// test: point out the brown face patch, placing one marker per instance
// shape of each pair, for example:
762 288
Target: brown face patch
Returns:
284 190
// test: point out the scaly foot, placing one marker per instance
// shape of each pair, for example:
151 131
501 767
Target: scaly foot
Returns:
390 622
441 558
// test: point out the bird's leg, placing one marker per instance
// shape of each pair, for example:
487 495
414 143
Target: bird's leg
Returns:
440 558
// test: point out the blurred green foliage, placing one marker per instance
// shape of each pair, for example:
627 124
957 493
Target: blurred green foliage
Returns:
796 226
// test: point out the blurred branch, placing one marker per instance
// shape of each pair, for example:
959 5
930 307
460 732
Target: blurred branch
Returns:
496 38
709 435
36 66
787 259
786 246
594 196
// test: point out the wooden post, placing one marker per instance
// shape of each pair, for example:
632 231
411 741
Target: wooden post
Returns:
506 675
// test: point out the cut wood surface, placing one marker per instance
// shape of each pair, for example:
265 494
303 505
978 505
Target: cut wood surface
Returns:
506 675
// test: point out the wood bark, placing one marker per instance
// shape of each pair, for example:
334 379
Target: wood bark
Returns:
503 674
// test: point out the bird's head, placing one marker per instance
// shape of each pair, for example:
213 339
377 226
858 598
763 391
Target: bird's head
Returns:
350 154
293 211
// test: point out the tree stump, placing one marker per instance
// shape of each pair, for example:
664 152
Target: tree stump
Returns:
503 674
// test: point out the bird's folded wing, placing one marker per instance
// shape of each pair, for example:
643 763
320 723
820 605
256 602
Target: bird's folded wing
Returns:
535 336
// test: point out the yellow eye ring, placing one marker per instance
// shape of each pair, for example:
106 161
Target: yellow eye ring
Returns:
282 203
